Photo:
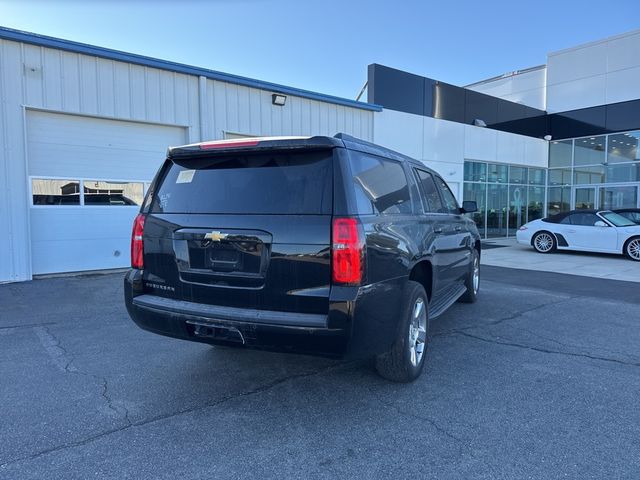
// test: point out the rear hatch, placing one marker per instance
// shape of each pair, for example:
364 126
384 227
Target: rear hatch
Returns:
242 228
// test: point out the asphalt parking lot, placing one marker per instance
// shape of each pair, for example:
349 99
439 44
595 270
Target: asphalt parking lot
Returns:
539 379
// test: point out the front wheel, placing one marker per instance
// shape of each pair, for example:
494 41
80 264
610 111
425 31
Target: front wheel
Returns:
472 281
544 242
632 249
405 360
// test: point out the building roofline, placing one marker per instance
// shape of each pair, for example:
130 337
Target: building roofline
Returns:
595 42
118 55
507 75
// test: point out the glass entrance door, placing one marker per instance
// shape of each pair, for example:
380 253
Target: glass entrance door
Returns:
584 198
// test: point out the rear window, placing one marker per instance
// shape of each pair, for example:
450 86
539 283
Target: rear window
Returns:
276 183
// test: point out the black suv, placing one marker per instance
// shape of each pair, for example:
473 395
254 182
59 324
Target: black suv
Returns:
325 246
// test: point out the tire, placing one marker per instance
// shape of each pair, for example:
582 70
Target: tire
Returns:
544 242
404 362
632 249
472 282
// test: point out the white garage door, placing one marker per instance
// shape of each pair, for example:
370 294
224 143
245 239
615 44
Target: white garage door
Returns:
87 178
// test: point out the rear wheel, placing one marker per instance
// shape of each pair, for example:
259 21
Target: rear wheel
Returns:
632 249
405 360
472 282
544 242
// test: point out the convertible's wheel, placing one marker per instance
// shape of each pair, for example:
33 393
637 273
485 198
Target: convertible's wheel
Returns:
544 242
632 248
405 360
472 282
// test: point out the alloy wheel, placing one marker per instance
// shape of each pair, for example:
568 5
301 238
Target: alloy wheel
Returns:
633 249
418 332
543 242
476 274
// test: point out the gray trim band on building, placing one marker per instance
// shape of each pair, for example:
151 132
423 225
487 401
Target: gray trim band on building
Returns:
83 48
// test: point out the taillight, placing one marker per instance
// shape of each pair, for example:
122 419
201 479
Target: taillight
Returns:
137 250
347 251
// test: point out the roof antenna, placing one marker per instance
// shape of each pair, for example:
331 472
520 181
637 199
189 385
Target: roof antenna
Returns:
364 87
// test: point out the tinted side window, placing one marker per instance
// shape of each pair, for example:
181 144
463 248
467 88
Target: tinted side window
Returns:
584 219
430 194
380 185
450 203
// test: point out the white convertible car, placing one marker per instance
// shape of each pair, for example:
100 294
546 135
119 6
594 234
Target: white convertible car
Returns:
584 230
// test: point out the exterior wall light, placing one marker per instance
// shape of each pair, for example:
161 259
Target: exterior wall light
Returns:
278 99
479 123
547 137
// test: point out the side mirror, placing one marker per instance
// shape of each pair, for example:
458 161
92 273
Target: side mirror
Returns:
469 206
600 223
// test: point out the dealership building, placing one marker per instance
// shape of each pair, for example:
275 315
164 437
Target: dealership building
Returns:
84 128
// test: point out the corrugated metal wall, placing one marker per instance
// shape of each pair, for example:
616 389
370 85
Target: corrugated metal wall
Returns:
46 78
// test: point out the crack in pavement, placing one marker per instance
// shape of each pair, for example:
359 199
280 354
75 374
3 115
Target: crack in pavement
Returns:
254 391
506 319
64 360
529 310
27 325
462 444
546 350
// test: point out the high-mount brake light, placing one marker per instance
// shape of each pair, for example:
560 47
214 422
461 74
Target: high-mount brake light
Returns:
347 251
228 144
137 247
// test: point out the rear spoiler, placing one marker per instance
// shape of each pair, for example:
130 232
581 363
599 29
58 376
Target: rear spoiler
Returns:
260 144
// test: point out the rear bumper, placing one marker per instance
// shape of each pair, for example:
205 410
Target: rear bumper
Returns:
356 325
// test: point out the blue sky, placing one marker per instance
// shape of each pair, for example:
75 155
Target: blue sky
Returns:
326 46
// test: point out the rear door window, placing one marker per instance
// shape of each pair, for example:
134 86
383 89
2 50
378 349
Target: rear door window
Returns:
380 185
276 183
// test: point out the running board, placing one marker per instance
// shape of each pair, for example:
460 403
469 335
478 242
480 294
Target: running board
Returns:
438 307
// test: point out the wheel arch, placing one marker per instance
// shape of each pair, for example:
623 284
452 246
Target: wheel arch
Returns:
422 272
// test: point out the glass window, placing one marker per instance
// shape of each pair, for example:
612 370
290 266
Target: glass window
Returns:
430 192
497 198
625 172
633 216
623 147
584 219
589 151
585 198
382 183
560 153
477 192
475 172
101 192
497 173
517 207
560 176
535 208
618 197
558 200
618 220
450 202
517 175
254 184
55 192
537 176
588 175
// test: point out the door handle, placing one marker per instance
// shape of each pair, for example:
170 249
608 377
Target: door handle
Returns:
437 230
571 231
458 229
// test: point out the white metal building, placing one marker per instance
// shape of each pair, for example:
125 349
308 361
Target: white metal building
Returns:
89 120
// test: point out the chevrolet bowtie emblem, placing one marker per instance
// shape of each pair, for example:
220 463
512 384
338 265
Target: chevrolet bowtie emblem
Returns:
215 236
